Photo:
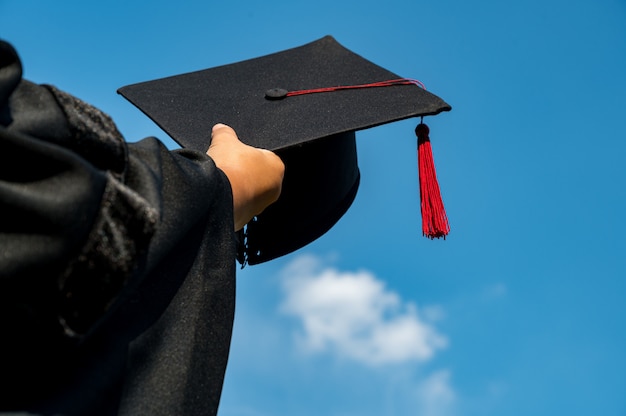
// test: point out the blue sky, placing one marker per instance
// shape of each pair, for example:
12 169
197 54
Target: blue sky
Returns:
521 310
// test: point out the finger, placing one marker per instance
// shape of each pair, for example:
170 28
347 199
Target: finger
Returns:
222 130
219 126
222 136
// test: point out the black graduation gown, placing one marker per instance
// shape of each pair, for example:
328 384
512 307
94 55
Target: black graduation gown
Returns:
116 263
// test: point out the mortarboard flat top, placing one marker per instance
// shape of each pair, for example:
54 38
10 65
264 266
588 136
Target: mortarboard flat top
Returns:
313 133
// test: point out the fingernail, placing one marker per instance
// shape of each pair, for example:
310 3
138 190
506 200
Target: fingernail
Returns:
218 126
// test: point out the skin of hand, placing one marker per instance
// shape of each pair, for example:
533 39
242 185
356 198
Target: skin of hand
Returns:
255 175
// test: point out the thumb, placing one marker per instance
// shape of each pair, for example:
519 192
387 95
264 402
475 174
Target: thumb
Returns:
221 133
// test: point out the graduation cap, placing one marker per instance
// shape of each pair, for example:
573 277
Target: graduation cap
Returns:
305 104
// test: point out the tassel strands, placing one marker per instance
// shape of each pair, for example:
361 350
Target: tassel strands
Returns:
434 218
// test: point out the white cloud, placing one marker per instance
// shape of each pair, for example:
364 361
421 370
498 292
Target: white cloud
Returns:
352 314
436 396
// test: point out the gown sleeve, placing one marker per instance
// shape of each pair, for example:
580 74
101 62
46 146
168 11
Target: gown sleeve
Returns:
98 239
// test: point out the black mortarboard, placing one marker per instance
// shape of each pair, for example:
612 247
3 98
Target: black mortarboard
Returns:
313 133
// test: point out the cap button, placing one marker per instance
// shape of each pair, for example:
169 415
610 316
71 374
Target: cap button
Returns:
275 94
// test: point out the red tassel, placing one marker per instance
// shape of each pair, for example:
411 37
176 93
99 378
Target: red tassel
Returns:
434 218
